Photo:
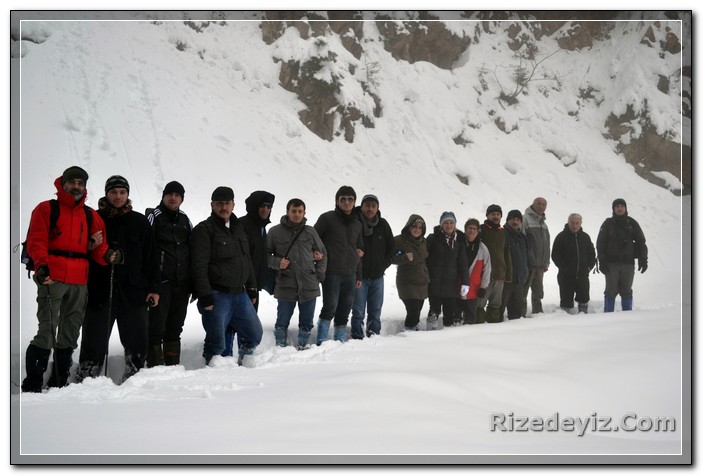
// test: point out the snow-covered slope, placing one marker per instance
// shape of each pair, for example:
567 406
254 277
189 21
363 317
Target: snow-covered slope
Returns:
127 98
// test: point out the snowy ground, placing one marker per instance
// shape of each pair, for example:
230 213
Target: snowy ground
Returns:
118 97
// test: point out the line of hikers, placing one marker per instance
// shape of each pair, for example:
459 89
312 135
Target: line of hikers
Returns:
114 264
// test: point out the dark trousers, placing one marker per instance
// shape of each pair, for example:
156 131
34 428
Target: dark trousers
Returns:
447 306
413 308
337 298
468 310
166 320
513 295
132 324
570 286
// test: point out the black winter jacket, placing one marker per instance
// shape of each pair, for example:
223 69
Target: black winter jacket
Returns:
378 246
573 253
341 235
219 258
255 228
139 275
519 254
620 240
448 266
172 233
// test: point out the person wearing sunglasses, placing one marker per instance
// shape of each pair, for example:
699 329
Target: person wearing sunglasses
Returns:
341 233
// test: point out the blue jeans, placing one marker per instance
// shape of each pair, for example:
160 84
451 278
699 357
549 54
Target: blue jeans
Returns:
306 313
337 298
369 298
235 310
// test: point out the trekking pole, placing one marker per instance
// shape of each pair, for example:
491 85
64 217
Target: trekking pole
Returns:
53 336
109 315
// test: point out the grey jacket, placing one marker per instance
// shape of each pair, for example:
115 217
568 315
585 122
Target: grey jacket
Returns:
301 280
537 232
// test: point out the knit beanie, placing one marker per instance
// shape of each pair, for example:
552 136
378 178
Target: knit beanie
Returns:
494 208
514 214
72 173
619 201
116 181
447 216
222 194
174 187
369 197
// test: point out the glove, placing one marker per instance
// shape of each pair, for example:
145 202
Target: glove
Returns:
252 293
464 290
114 256
206 301
481 292
642 266
41 274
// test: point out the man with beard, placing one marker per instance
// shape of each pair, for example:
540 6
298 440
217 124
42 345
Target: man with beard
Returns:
60 246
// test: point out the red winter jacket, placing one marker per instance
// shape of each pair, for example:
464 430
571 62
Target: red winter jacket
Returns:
70 234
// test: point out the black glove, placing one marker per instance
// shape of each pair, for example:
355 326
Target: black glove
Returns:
481 292
114 256
642 266
206 301
41 274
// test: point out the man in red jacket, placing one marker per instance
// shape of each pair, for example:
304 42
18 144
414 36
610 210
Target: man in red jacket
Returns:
60 256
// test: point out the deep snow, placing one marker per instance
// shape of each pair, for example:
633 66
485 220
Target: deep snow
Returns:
118 97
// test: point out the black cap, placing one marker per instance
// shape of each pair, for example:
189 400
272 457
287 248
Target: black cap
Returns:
514 214
116 181
72 173
494 208
222 194
174 187
369 198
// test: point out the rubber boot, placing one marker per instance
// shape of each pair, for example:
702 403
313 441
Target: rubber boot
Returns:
303 339
609 304
323 328
626 303
480 315
154 356
36 361
281 335
61 368
493 315
340 333
583 307
432 321
172 352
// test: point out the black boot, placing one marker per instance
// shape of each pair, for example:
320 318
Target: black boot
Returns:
154 356
172 352
88 369
36 360
61 368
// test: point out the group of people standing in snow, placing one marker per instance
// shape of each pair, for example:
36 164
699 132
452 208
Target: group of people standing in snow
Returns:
97 267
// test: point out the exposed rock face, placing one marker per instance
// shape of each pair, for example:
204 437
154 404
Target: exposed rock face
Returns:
421 39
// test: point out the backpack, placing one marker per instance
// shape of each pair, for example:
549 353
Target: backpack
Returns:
53 220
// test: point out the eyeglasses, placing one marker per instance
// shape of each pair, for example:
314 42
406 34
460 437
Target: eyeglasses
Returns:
347 199
266 205
472 228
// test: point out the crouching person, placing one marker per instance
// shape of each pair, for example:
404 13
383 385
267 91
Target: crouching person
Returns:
297 253
223 279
